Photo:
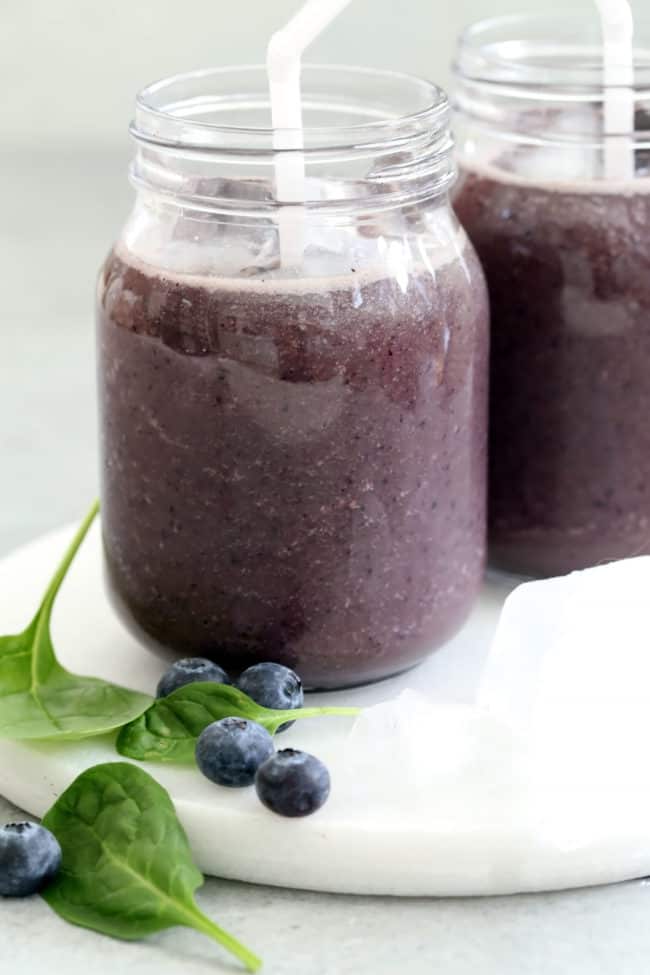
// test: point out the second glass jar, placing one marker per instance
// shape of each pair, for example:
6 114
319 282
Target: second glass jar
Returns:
294 457
558 208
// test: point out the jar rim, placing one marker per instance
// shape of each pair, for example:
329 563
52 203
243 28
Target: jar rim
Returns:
173 113
527 49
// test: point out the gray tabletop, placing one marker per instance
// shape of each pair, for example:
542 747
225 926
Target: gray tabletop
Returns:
59 214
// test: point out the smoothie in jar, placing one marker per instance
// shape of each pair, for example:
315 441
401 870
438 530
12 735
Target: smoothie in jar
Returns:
568 267
294 459
561 225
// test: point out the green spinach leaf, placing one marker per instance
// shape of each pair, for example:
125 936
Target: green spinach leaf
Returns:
38 697
167 732
127 868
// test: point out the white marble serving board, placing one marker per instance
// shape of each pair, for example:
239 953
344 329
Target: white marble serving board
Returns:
487 840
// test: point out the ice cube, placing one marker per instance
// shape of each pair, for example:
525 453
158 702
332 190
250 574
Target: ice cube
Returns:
567 165
411 752
569 671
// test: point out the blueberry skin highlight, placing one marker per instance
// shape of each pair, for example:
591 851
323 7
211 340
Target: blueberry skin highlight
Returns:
273 686
292 783
229 752
30 857
190 670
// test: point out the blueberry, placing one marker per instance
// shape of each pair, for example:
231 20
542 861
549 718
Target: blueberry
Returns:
30 858
230 751
292 783
273 686
190 670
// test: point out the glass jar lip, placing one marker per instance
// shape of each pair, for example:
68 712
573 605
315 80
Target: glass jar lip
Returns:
165 119
526 49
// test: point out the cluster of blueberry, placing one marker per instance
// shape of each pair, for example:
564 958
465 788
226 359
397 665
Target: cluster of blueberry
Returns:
237 752
233 752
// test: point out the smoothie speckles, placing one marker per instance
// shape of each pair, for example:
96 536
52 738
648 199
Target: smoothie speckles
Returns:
292 475
568 271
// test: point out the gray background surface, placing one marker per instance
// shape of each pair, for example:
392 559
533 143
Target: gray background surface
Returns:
69 69
68 72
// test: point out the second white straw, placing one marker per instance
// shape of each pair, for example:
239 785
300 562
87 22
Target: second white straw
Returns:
617 24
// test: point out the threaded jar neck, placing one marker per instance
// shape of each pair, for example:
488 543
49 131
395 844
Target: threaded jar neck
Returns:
371 140
536 83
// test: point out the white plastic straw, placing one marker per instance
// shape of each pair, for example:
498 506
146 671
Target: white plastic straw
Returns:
283 61
617 25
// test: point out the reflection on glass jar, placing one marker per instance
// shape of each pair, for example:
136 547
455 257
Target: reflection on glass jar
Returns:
294 456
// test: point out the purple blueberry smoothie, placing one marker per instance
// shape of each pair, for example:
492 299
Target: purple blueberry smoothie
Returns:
294 470
568 270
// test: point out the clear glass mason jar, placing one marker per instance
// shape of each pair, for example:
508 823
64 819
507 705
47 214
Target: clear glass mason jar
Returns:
294 456
563 233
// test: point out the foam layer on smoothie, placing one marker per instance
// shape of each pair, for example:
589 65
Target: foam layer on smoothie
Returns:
534 175
225 265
